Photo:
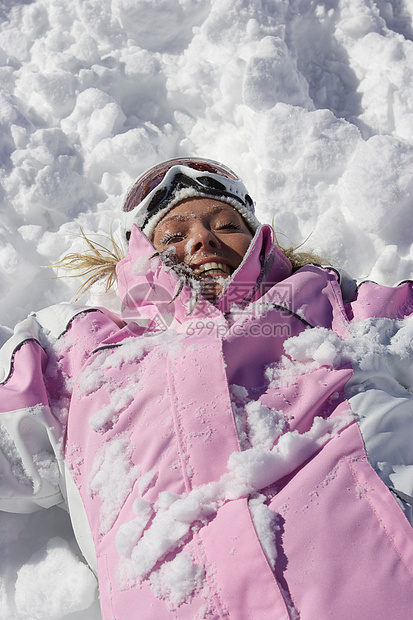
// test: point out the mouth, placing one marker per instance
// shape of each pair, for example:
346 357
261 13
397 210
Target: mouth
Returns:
212 269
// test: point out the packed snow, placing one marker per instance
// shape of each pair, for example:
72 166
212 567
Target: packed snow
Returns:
311 103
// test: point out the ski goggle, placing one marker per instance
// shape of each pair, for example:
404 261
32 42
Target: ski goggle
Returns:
155 190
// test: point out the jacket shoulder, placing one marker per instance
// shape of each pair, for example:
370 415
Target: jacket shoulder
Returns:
89 326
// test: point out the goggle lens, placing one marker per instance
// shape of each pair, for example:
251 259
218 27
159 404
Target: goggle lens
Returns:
151 179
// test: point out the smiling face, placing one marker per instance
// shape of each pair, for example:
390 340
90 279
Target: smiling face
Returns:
207 235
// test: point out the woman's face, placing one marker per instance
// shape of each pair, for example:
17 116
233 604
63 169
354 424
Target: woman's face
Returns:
207 235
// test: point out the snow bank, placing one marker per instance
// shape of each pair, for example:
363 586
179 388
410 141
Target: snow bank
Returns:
311 106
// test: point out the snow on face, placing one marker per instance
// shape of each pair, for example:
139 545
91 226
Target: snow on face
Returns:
208 236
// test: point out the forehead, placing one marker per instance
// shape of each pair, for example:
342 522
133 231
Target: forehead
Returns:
197 208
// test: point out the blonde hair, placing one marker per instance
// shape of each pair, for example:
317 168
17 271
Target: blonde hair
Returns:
98 263
299 259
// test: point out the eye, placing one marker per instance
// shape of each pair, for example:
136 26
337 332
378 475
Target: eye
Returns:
171 238
228 226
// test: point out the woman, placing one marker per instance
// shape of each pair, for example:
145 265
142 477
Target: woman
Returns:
224 446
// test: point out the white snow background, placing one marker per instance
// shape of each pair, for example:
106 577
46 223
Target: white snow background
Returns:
310 102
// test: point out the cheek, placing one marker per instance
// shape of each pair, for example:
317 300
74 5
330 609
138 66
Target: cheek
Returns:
243 245
188 246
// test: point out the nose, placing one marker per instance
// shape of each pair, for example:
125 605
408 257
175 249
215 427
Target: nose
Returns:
203 238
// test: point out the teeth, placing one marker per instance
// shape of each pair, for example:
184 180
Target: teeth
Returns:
212 266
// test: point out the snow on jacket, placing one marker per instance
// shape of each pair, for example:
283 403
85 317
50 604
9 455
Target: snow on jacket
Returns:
211 456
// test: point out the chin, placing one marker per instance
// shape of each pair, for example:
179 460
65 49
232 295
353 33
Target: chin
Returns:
213 287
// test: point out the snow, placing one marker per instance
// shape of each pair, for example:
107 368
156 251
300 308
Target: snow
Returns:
177 580
257 425
265 522
379 391
310 103
176 516
112 478
73 592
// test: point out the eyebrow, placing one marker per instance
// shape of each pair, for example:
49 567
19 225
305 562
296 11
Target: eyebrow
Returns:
183 218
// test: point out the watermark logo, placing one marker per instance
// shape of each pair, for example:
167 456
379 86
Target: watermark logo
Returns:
149 305
253 329
152 308
266 317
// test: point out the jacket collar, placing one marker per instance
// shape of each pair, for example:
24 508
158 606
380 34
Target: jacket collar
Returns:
150 291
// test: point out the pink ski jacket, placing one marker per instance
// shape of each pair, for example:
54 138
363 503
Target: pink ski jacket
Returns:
247 460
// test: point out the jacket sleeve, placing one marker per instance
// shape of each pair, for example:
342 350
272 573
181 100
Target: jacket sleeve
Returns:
37 368
391 310
30 434
380 391
372 300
